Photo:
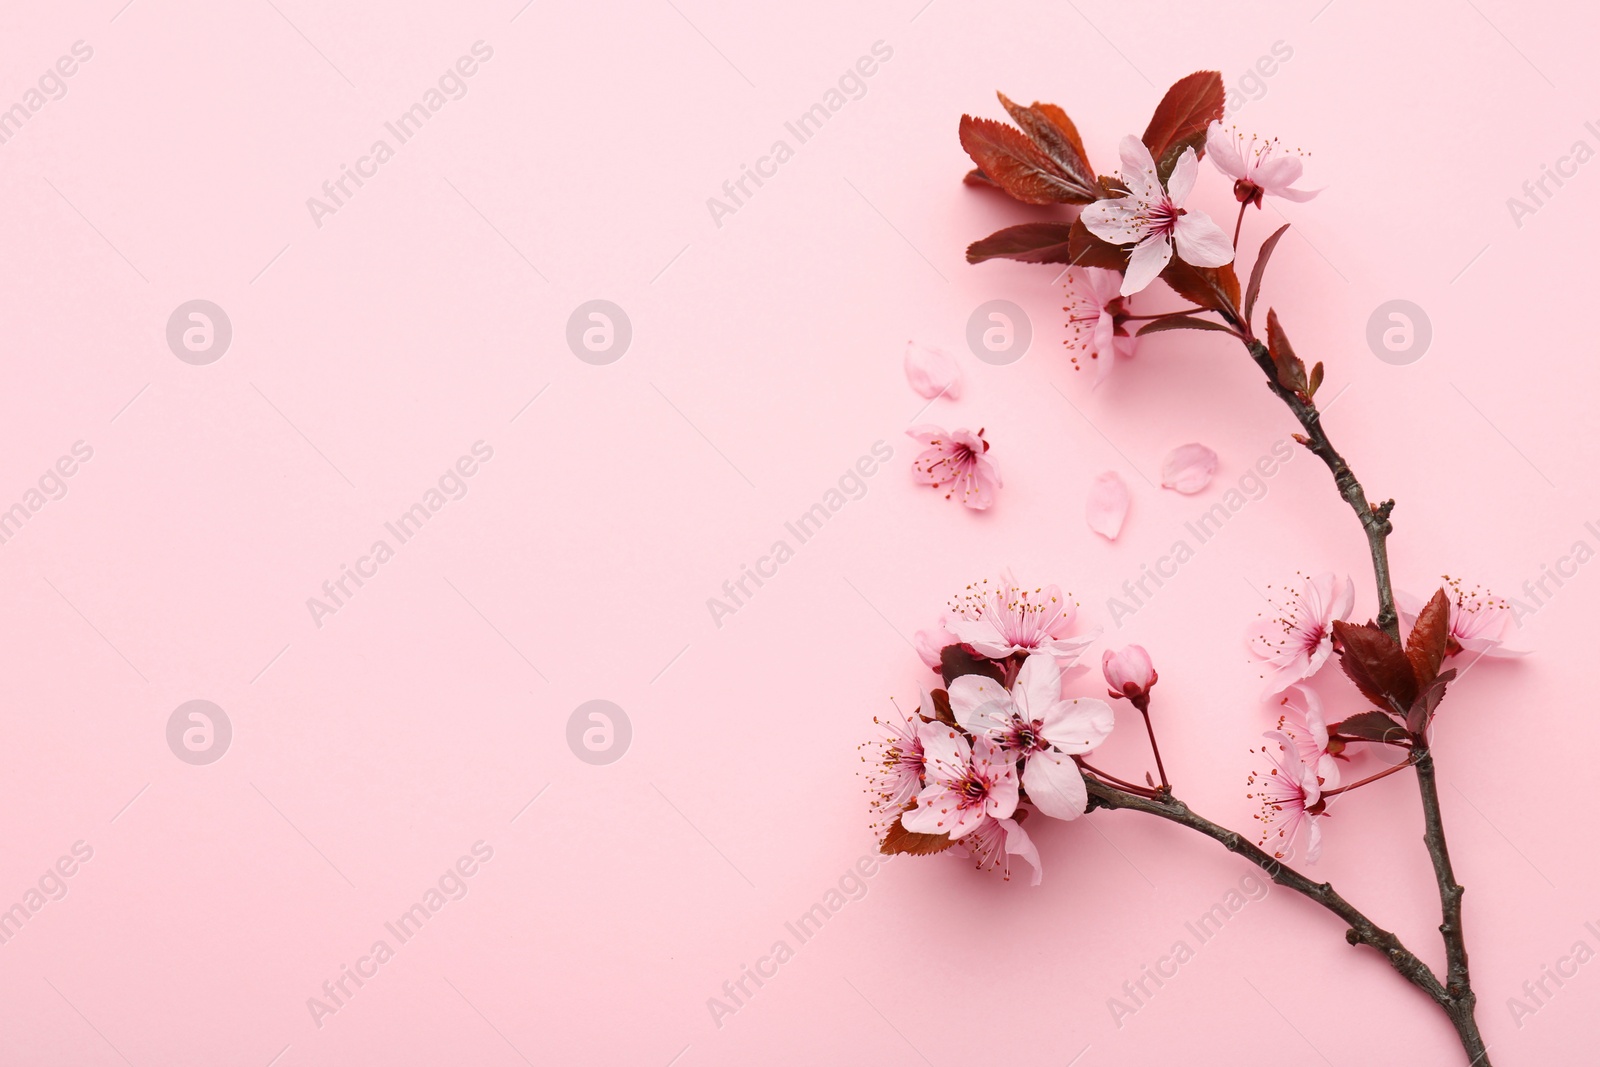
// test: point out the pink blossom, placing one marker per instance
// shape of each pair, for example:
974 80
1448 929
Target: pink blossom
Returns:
1129 672
1290 799
964 784
1001 619
1107 506
1095 319
1153 218
1258 169
932 372
1188 468
1302 721
957 459
1479 621
995 841
1298 643
895 762
1034 723
931 643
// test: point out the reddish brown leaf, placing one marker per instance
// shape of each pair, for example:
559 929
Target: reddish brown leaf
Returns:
1316 380
1181 118
1291 371
1017 165
1259 270
1369 726
900 840
955 661
1031 242
976 176
1427 702
1182 323
1087 250
1057 137
1377 665
1425 644
941 707
1216 288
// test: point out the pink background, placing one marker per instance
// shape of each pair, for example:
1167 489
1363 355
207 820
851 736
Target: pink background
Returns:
368 354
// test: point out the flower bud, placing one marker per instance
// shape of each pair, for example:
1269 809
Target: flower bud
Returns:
1129 673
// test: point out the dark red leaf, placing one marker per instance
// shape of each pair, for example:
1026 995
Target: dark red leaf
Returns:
1377 665
1031 242
1185 323
1259 270
1216 288
1180 121
1087 250
1057 137
1316 380
1017 165
941 707
900 840
1427 702
1369 726
1429 636
955 661
1291 371
976 176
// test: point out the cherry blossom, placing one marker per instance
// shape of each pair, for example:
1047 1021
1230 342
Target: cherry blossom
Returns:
1095 317
965 783
1290 799
1000 619
1259 169
1153 219
1034 723
1299 642
1129 672
1479 621
995 841
896 764
958 459
1303 722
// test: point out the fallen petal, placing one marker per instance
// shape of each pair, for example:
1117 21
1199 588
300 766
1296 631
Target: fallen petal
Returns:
932 372
1188 468
1108 505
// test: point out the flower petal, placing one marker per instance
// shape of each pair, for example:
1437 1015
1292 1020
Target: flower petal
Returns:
1078 725
1223 150
1145 264
1188 468
1120 222
1139 170
1181 181
979 703
1201 241
1018 843
1108 505
932 372
1055 785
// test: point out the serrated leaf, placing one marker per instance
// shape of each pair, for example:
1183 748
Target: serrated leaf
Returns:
1429 637
1180 120
1012 161
900 841
1259 270
1216 288
1031 242
1049 127
1377 664
1291 371
1427 702
955 661
1160 325
1369 726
